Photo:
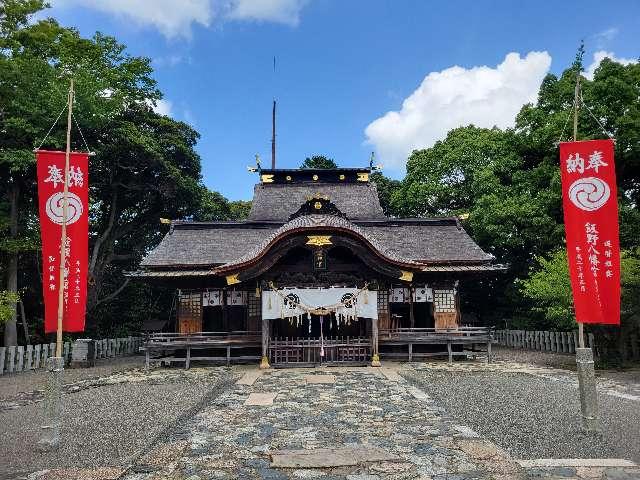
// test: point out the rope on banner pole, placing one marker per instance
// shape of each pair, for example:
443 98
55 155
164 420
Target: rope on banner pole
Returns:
566 122
54 124
81 134
606 132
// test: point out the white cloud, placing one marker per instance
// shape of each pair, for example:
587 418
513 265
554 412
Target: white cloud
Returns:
605 36
175 18
171 18
162 107
601 55
455 97
279 11
168 61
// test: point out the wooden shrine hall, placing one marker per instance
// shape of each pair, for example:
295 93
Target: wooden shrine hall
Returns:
317 274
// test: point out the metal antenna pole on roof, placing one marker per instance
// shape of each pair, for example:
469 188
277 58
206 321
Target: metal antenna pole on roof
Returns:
273 124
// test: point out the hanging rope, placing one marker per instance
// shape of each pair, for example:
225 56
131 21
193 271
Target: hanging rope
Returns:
81 134
54 124
606 132
566 122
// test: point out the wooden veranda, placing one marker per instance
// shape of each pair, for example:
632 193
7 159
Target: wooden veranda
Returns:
213 347
472 340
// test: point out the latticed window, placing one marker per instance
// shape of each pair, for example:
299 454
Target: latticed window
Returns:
383 301
444 300
254 305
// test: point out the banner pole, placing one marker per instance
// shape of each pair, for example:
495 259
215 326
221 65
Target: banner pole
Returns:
55 365
584 356
63 236
576 106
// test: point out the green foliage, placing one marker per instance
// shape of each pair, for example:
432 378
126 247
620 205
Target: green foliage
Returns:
386 188
239 209
145 165
549 287
8 302
508 181
318 161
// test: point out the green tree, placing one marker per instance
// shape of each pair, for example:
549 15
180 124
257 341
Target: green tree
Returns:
549 287
145 165
318 161
509 181
240 209
386 188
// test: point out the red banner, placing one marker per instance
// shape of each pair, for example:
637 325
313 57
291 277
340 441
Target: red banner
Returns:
50 192
590 204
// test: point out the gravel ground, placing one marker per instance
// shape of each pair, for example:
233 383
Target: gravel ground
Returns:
105 422
11 385
533 415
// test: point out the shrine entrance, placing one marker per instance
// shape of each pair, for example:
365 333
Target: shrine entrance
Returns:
319 326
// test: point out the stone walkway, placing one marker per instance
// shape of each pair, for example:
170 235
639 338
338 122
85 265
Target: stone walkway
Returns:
358 414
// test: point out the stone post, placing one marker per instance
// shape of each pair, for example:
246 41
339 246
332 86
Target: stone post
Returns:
82 353
53 404
264 362
587 387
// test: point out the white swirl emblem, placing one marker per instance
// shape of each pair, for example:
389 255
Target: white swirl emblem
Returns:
589 193
54 208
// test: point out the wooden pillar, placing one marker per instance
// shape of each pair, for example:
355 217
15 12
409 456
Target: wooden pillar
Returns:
412 318
375 357
225 313
264 362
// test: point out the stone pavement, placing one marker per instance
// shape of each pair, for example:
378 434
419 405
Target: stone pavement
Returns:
367 425
331 424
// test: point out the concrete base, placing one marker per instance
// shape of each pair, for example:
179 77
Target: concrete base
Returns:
587 387
53 404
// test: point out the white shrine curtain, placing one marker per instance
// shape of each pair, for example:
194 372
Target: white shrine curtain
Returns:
346 303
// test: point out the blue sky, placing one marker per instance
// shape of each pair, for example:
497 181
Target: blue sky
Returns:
351 76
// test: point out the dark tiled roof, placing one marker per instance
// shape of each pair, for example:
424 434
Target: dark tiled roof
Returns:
318 222
205 244
278 202
194 245
428 242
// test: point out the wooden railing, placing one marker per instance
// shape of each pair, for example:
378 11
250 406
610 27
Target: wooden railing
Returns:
168 347
467 339
314 351
204 337
436 334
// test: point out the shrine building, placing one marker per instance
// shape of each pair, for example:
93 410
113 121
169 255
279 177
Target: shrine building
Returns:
317 274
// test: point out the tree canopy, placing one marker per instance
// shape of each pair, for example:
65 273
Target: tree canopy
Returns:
145 166
318 161
507 183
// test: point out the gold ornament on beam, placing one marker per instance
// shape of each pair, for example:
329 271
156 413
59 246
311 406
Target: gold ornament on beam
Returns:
363 176
406 276
267 178
319 240
232 279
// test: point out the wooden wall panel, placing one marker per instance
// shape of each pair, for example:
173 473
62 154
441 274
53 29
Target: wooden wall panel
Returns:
190 312
383 310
